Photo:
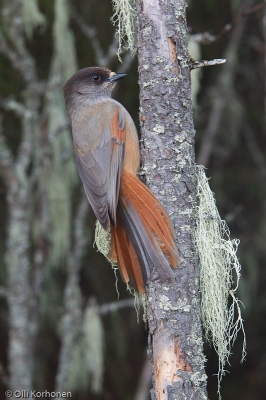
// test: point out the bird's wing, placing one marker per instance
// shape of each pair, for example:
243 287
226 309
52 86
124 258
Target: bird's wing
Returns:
100 167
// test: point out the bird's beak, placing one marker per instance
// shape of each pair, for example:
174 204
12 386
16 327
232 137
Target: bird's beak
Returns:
116 77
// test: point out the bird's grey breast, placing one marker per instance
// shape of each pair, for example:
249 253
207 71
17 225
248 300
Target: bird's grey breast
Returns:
89 124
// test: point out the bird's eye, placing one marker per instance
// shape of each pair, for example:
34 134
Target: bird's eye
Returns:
96 77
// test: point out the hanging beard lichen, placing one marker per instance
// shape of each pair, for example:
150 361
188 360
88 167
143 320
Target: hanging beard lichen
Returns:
125 19
218 266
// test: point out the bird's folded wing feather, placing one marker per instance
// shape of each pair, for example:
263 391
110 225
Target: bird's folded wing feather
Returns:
100 167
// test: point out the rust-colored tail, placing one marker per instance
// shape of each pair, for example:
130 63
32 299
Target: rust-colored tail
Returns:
142 241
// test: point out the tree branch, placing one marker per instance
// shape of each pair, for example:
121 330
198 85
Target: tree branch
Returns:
102 59
6 159
116 305
9 53
3 292
91 34
206 63
72 317
222 89
21 59
9 104
127 61
207 38
111 53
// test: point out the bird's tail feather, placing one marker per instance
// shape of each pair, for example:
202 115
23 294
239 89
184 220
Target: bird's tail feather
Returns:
142 241
123 253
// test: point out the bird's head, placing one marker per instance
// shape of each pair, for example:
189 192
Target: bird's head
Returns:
92 82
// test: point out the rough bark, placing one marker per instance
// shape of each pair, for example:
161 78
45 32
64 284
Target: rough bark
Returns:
175 337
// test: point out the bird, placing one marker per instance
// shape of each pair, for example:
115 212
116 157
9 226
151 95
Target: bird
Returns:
106 148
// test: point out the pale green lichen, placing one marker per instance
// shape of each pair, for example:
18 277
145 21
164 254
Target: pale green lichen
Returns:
124 18
167 305
158 128
102 240
218 263
150 83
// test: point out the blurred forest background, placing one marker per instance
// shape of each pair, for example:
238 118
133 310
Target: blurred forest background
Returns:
62 326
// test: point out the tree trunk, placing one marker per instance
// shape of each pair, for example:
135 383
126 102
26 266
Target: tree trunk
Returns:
175 337
20 353
22 296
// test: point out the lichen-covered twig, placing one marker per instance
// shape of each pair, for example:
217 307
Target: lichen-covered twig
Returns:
206 63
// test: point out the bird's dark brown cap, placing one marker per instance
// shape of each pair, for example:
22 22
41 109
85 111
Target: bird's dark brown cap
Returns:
90 77
86 74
